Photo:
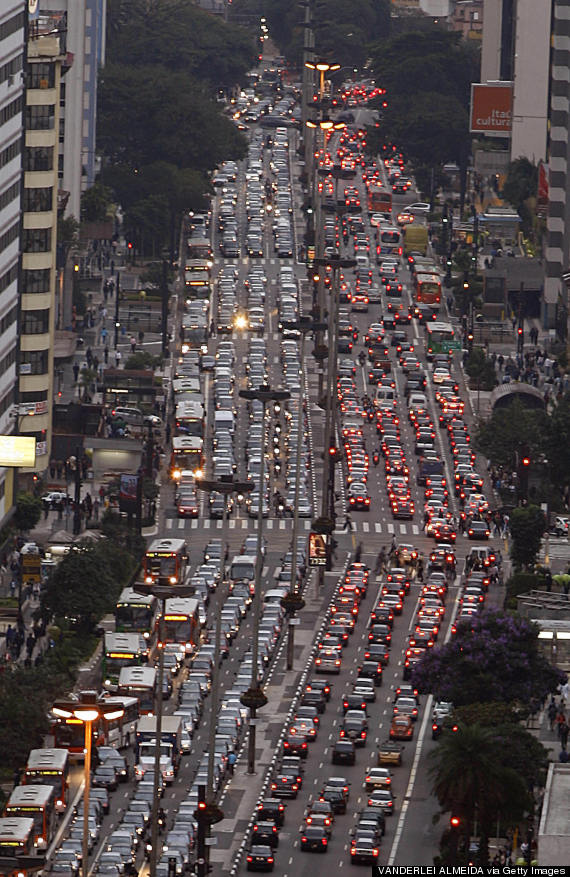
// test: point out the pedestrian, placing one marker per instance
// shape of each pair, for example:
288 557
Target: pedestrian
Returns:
212 329
564 734
104 335
420 568
232 758
563 756
96 505
393 547
559 721
358 553
75 371
89 357
380 562
106 355
117 358
141 336
133 344
347 523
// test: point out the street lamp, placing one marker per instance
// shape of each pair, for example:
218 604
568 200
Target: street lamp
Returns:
162 593
322 67
293 602
87 709
211 813
254 698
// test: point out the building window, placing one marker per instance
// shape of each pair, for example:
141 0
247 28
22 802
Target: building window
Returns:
41 118
8 361
35 396
8 319
9 237
9 195
34 362
37 281
7 401
34 322
10 152
37 240
7 28
11 68
10 110
41 76
38 200
8 277
38 158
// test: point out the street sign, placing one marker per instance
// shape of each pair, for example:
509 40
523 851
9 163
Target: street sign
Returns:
448 346
317 549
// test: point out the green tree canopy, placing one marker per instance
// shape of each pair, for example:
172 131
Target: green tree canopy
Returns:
521 182
508 431
86 584
557 443
28 512
95 203
527 526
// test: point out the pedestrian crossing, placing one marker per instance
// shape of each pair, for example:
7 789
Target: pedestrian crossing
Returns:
286 524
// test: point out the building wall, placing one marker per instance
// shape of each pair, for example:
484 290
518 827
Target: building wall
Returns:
531 79
556 253
11 121
86 41
37 303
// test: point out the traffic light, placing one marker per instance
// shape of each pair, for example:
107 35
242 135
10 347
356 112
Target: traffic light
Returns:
520 330
525 461
129 245
455 822
334 454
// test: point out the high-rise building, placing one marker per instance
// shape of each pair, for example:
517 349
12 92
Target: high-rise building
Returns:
47 61
12 42
85 22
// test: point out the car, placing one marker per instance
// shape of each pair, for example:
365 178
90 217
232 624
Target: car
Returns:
336 797
314 840
371 670
478 530
54 498
406 706
260 858
364 851
402 728
378 778
106 776
266 834
271 810
320 820
354 728
343 751
295 744
383 799
285 785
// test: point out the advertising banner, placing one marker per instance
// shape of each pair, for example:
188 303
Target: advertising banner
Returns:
491 108
128 494
317 549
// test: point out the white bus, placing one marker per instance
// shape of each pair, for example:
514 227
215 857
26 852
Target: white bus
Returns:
139 682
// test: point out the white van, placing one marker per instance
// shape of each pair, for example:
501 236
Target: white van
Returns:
385 396
417 400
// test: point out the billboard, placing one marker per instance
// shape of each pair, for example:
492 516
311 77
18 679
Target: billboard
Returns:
129 493
491 108
17 450
317 549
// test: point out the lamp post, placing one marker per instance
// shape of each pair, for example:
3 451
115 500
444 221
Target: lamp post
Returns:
211 813
117 324
162 593
87 709
293 602
254 698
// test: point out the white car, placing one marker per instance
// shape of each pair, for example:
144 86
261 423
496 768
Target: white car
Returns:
417 207
560 526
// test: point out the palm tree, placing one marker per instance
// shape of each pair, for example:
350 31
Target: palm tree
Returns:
470 781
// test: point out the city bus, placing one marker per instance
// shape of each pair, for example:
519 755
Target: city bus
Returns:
122 650
49 767
165 562
69 734
190 418
195 333
440 338
379 199
199 248
119 732
36 802
182 622
136 613
197 279
16 840
428 289
389 242
187 456
139 682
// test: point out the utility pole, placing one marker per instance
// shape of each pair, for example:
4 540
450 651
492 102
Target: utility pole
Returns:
164 301
117 296
77 500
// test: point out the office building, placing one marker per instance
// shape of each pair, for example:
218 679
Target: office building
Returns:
47 61
12 41
85 21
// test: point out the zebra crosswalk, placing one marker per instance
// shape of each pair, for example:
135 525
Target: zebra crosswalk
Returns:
286 524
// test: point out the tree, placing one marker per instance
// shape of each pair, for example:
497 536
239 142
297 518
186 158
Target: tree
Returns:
502 437
141 360
493 657
95 203
557 443
481 370
87 380
85 584
520 187
470 780
28 512
527 526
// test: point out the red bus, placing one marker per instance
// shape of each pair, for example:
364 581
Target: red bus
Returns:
379 199
428 289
